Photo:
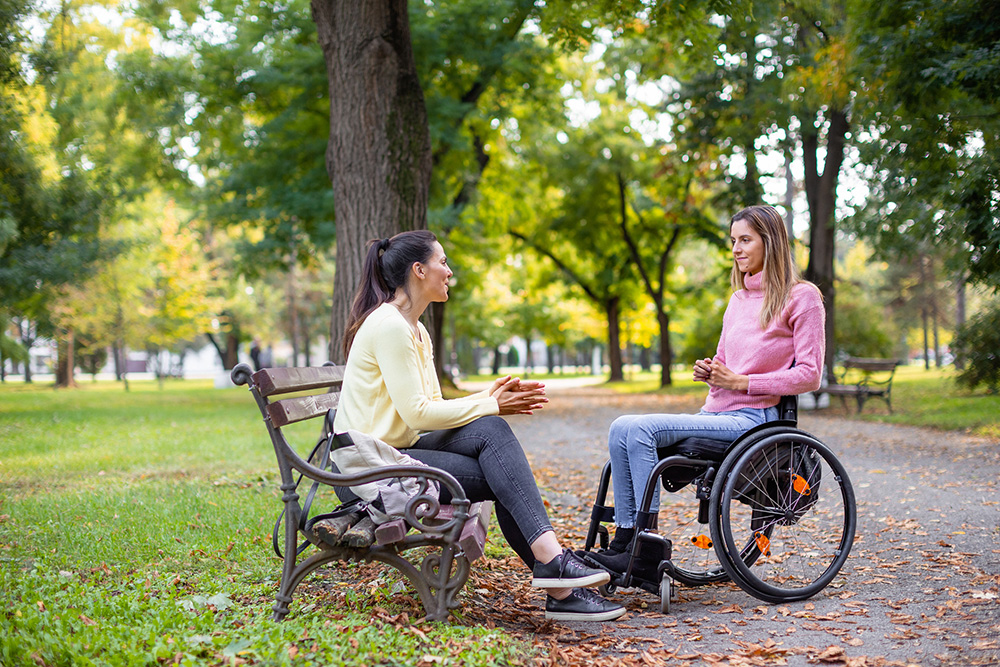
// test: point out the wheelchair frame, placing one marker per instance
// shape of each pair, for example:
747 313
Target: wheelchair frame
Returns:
718 469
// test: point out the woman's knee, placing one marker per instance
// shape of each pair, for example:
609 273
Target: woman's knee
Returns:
618 434
493 427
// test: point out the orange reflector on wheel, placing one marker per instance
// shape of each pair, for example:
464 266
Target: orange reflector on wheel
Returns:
702 541
800 485
763 543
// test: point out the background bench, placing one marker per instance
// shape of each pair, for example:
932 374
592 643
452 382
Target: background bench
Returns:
453 535
864 378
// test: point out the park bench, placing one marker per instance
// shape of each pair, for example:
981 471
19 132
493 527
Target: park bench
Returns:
859 380
449 538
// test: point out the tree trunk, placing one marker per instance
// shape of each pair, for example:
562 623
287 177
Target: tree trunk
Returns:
613 311
927 352
434 323
292 305
666 350
27 340
306 344
230 356
821 193
379 152
496 360
529 357
789 196
959 312
65 363
116 355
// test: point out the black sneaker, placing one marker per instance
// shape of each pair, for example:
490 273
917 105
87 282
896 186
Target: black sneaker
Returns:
646 566
582 605
567 571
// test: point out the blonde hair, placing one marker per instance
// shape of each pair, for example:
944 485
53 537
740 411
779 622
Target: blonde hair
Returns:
780 275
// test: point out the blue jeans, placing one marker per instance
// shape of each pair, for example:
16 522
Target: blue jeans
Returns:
488 461
634 439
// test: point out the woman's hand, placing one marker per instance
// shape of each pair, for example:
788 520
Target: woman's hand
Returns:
702 369
517 397
720 376
499 382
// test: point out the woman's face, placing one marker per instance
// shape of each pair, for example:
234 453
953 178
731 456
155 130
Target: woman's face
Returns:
437 274
748 247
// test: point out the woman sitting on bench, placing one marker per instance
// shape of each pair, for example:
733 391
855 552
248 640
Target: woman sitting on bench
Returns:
391 392
773 320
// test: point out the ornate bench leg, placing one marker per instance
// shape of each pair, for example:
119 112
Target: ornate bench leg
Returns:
292 577
281 605
438 581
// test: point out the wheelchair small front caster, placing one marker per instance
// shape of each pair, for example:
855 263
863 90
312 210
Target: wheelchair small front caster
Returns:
606 589
666 592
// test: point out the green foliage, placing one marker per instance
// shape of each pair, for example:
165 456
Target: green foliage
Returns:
862 329
929 111
977 343
700 339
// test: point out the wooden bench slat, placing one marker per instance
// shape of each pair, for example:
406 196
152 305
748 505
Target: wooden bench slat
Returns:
271 381
865 364
473 538
291 410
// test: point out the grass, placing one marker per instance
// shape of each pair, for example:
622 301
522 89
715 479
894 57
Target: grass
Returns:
135 529
931 398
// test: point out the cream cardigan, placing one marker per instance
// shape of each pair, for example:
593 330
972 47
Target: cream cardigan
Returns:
391 391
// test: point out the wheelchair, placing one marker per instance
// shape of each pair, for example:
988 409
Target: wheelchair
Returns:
778 506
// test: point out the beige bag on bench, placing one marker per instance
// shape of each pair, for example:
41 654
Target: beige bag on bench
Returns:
386 499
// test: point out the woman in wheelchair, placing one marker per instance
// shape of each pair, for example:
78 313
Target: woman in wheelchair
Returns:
772 344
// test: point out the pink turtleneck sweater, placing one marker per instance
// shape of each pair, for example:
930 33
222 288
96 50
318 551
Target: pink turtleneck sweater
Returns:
766 355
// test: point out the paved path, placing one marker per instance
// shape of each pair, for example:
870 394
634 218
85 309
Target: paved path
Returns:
921 586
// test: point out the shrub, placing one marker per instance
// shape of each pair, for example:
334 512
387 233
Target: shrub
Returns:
978 344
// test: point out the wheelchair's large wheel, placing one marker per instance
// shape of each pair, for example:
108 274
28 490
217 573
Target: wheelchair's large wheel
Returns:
783 516
693 560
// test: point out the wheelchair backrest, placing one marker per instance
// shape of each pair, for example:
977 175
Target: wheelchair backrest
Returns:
788 408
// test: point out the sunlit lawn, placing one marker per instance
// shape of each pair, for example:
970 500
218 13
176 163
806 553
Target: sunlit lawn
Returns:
135 529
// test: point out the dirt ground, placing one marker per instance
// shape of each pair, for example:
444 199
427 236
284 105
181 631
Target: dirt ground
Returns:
922 585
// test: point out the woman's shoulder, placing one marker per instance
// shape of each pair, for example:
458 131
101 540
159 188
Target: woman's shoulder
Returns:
806 295
385 318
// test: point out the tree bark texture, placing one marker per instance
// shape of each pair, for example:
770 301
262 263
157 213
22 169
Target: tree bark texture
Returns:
612 307
379 152
666 350
821 193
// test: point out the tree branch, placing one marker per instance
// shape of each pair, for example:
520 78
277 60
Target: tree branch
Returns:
559 263
632 248
486 75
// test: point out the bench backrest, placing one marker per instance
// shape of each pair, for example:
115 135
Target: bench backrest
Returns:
872 365
277 381
269 385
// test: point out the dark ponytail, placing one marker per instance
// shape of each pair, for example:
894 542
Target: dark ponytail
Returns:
386 268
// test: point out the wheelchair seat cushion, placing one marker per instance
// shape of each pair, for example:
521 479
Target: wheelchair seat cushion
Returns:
697 448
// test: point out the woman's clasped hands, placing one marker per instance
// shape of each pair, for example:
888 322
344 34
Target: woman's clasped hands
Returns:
716 374
518 397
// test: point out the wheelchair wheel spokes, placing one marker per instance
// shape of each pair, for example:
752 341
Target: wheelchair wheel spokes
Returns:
694 561
787 510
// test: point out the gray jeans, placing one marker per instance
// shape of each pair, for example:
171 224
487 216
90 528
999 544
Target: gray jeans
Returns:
489 463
